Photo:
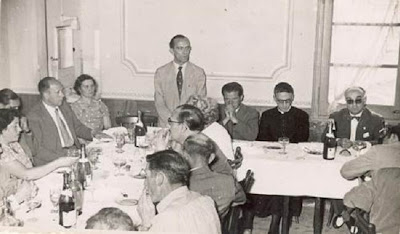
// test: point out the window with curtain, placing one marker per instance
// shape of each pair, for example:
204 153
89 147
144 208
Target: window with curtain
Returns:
365 45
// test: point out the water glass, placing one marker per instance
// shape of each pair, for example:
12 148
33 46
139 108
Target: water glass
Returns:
119 162
54 198
120 142
283 141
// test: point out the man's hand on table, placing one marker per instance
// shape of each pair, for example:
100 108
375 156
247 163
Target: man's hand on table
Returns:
146 210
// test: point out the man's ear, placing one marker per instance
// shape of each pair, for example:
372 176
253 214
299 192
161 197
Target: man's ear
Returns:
212 157
160 178
171 51
241 98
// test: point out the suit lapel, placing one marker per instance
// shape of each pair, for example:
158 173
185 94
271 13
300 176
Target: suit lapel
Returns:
47 119
68 119
172 88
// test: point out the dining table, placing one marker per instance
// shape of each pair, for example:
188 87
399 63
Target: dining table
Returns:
110 187
301 171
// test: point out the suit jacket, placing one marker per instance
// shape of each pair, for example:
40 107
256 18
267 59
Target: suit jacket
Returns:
247 127
46 141
367 129
166 95
293 124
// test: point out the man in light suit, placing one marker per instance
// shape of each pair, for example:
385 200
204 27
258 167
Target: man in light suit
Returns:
54 126
176 81
240 120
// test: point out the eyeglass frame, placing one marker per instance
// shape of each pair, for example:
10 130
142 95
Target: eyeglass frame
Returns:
173 121
358 101
287 101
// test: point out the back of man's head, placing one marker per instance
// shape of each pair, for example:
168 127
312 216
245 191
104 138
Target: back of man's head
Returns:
110 218
44 84
283 87
232 87
199 146
192 116
171 164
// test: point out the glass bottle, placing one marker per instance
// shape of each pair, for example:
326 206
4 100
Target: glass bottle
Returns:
140 131
85 174
77 190
67 208
330 142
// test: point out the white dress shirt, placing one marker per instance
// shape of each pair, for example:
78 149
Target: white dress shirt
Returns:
52 112
353 126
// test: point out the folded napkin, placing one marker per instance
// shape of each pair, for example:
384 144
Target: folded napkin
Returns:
312 147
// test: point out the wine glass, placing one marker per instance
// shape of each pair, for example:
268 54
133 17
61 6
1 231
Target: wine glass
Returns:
283 141
358 146
119 162
120 142
54 198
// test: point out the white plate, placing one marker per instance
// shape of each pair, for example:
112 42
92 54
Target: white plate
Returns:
126 201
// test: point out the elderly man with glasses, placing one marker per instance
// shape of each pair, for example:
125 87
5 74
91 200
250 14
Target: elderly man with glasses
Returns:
356 122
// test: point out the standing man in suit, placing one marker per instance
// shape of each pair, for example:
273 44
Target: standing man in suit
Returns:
176 81
54 125
240 120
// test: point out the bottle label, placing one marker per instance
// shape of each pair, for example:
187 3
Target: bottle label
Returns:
69 218
331 153
140 140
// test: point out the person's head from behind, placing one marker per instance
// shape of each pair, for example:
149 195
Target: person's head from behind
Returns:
207 106
392 135
9 126
180 48
166 171
52 91
110 218
86 86
9 99
356 99
283 96
185 120
198 150
233 94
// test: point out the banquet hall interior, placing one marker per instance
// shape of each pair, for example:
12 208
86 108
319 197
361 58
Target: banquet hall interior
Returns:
319 47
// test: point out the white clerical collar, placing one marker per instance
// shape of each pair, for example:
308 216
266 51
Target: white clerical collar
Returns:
284 112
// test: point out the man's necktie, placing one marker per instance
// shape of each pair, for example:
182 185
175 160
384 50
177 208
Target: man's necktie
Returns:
179 81
68 141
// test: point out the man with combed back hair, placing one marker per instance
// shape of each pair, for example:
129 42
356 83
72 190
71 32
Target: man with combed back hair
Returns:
110 218
197 150
179 209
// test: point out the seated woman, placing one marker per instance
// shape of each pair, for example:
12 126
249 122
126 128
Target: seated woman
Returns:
214 130
16 171
90 111
10 100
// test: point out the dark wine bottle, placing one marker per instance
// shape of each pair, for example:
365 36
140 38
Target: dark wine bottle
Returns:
140 131
67 209
85 174
330 142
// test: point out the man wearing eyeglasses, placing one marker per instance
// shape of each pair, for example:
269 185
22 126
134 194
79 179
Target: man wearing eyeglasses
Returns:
356 122
284 120
176 81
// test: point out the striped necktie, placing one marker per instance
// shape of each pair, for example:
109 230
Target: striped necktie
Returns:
62 127
179 81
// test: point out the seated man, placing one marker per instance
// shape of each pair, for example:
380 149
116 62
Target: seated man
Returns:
110 218
284 120
379 156
356 122
179 209
197 150
240 120
381 197
54 126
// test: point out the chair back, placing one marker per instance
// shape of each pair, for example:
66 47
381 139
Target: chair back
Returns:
237 162
362 222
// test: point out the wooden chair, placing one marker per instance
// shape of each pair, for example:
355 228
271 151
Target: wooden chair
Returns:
230 224
361 221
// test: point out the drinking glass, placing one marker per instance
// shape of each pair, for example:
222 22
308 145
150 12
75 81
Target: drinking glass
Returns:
71 152
358 146
283 141
119 162
120 141
54 198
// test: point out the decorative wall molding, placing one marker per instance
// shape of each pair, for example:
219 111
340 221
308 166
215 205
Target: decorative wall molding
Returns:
278 69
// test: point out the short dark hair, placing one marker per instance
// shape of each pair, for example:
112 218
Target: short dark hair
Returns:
113 218
172 41
394 130
6 95
172 164
199 145
283 87
44 84
192 116
80 80
232 87
6 117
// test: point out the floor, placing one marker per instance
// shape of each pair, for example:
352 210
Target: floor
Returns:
305 225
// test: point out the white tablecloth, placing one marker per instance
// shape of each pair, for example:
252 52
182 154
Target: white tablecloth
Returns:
295 174
105 190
